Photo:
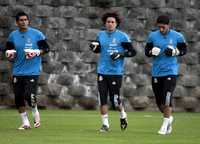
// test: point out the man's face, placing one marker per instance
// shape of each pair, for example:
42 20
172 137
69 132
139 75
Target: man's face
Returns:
163 28
22 22
111 24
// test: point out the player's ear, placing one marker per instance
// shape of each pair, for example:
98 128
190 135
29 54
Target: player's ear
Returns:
16 23
29 22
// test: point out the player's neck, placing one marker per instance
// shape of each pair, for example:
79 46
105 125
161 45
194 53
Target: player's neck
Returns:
23 29
111 31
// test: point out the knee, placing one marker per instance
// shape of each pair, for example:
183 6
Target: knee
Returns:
116 102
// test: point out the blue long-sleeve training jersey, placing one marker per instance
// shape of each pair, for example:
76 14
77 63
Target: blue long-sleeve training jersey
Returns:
21 41
165 65
111 42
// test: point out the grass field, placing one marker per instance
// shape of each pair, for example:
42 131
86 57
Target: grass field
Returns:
81 127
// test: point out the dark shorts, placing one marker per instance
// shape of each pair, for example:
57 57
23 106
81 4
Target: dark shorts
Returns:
163 88
109 85
25 89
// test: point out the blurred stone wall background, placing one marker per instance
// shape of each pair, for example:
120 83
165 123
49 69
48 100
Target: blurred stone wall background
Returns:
68 79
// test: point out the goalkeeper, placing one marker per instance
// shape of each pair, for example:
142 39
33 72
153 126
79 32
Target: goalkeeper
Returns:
113 46
24 48
164 46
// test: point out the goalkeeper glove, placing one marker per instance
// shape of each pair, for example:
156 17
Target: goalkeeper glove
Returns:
30 53
155 51
10 54
171 51
95 46
116 55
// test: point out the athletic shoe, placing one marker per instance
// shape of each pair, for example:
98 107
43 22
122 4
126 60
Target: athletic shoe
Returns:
24 127
36 124
104 128
169 127
123 123
163 129
37 121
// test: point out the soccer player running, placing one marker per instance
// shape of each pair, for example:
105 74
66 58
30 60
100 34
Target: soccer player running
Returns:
24 48
113 46
164 45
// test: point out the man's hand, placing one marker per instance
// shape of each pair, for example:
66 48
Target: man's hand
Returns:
30 53
95 46
116 55
155 51
10 54
171 51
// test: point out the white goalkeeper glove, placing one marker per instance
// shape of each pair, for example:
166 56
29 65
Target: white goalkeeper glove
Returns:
10 54
30 53
155 51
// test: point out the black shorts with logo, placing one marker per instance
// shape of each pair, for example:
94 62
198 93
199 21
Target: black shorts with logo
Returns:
163 88
25 89
109 85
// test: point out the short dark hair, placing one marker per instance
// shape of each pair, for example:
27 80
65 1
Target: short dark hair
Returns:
21 13
163 19
111 14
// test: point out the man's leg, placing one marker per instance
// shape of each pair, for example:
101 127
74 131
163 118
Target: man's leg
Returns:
158 89
18 88
103 92
24 117
115 83
168 114
104 118
36 116
30 94
169 86
123 118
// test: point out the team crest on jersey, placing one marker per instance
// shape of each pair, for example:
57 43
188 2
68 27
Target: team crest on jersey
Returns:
114 42
100 78
171 42
28 44
28 40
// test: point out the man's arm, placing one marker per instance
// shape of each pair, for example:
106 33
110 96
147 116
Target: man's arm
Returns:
95 46
43 46
148 49
129 51
10 51
9 46
182 47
